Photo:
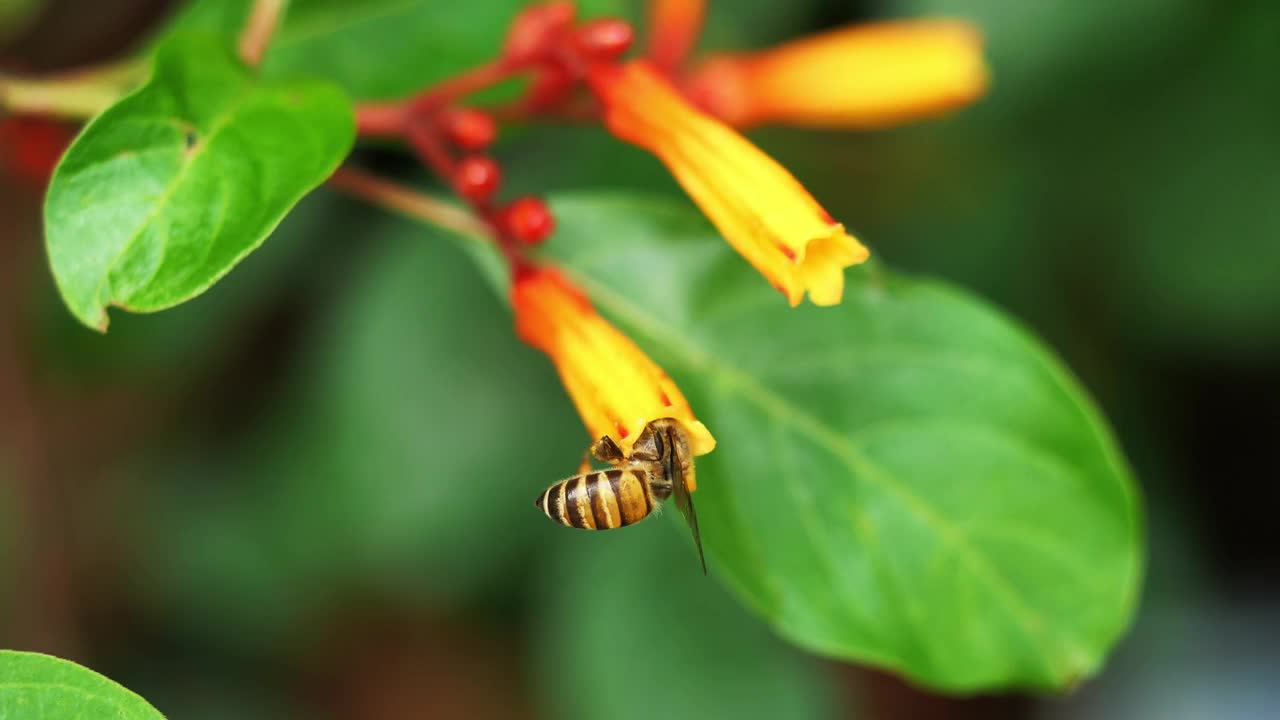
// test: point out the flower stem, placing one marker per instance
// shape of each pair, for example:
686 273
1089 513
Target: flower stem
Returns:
78 95
38 97
473 80
256 37
381 120
406 201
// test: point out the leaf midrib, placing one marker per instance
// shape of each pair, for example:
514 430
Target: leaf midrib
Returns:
1029 622
219 123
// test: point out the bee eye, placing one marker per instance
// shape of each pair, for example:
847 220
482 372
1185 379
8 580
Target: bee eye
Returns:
658 445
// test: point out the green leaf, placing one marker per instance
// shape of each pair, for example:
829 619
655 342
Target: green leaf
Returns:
906 479
40 687
167 190
653 638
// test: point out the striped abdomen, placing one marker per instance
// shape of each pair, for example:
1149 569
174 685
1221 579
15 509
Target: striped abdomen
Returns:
600 500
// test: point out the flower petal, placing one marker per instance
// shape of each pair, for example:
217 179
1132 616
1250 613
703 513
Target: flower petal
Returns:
617 389
759 207
862 76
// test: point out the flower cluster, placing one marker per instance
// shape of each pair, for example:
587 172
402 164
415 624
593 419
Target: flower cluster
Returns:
685 113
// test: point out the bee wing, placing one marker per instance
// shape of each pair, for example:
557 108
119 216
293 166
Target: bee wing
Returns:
684 503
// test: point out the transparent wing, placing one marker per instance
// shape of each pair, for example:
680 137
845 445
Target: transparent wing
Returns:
684 502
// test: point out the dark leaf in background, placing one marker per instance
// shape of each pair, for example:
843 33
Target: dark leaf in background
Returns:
40 687
378 48
1200 264
8 478
399 464
907 479
16 15
167 190
1032 44
180 344
628 628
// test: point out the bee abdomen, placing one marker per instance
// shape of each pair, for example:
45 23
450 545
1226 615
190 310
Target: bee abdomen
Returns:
598 501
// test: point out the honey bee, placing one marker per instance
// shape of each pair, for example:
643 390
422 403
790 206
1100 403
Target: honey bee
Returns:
659 466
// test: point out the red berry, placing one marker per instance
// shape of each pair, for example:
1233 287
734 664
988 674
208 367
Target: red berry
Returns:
470 129
529 220
477 178
604 39
536 29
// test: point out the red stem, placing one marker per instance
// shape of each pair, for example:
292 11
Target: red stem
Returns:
386 120
417 121
479 78
425 140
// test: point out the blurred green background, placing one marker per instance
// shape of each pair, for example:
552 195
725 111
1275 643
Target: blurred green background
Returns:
285 498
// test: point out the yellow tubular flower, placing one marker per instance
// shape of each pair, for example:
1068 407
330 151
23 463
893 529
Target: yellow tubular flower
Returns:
859 77
617 389
759 208
673 30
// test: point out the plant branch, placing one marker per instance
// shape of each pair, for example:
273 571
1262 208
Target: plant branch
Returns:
409 202
472 80
263 19
382 120
77 95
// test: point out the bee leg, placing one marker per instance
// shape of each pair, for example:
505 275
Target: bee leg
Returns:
584 467
660 485
607 451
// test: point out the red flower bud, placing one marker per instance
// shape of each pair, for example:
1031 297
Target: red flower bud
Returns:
604 39
476 178
529 220
551 86
470 129
537 29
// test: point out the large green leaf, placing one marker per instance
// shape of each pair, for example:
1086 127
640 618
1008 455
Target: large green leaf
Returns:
168 189
907 479
629 623
40 687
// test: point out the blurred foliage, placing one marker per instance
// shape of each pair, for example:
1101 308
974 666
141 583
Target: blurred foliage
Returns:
664 642
8 523
406 435
15 16
1135 144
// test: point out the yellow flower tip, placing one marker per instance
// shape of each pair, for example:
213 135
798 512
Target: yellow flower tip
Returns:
616 388
863 76
821 270
759 207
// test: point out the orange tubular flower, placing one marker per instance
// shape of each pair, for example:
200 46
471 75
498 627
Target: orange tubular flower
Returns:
860 77
757 205
617 389
673 30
